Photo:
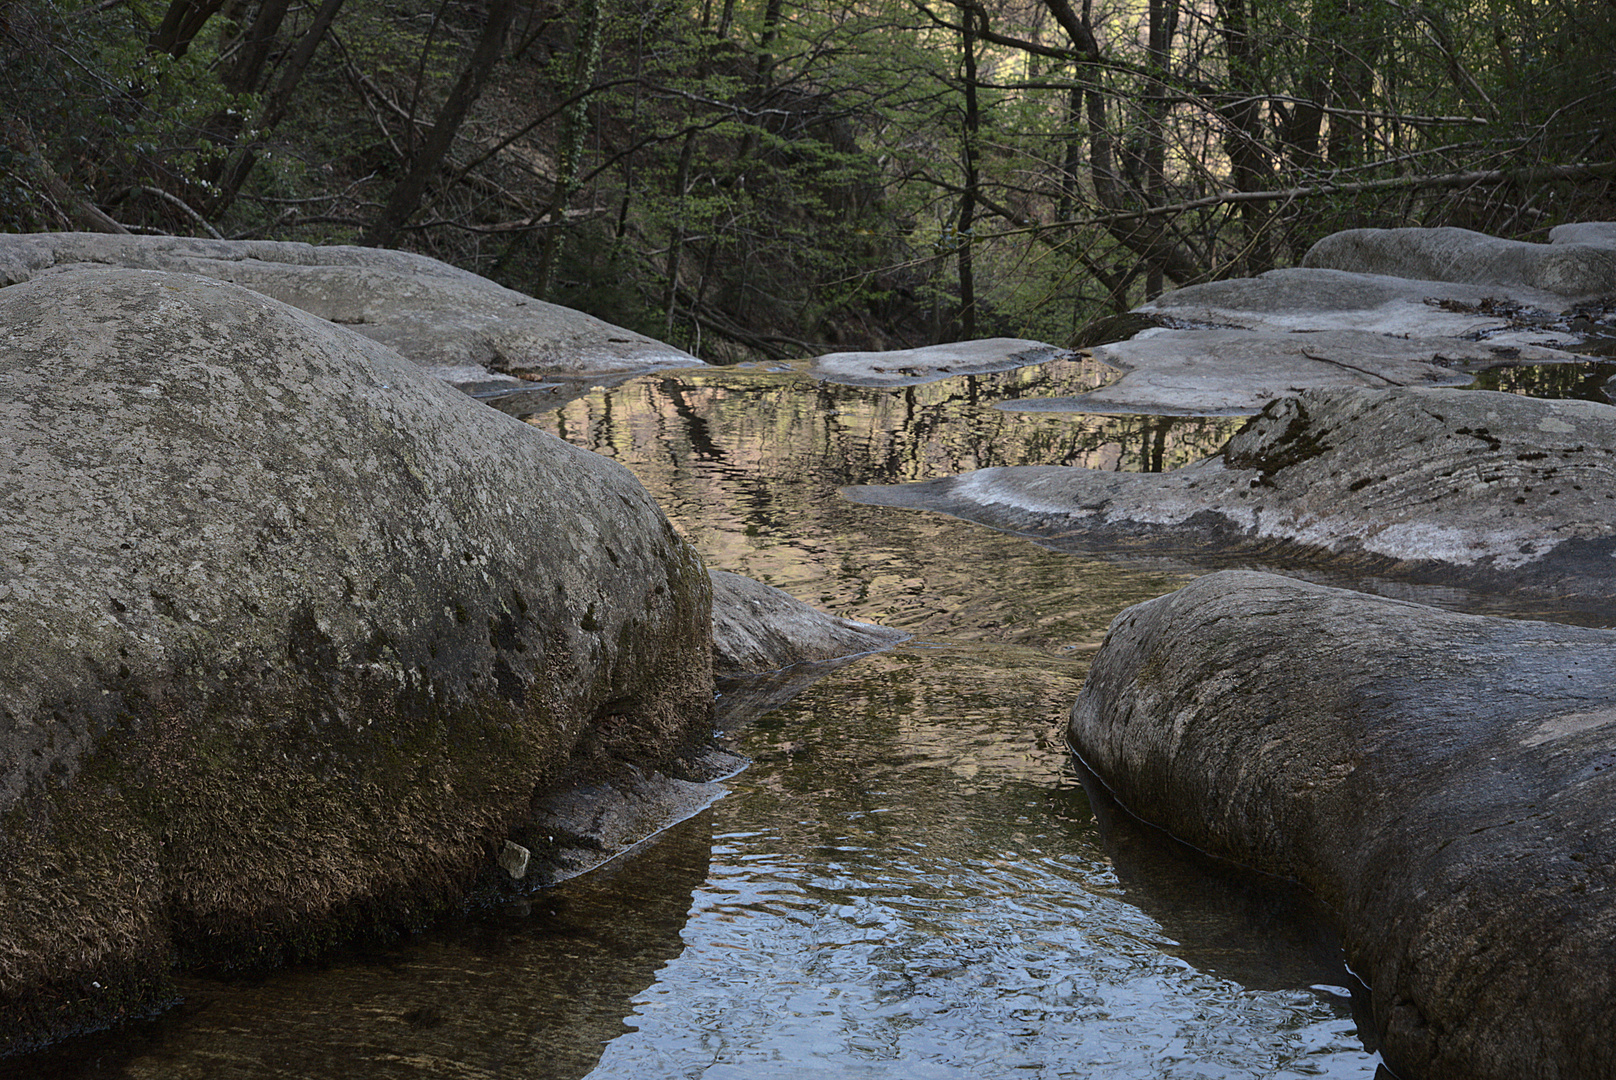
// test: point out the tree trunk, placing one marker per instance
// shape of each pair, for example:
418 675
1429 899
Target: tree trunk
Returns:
972 162
181 23
70 204
1243 138
407 193
681 184
242 76
574 130
274 107
1163 16
1145 237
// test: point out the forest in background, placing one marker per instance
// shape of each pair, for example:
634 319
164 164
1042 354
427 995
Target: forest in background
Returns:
773 178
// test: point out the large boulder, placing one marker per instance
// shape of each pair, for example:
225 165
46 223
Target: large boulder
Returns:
1442 782
457 325
1490 491
291 634
1578 262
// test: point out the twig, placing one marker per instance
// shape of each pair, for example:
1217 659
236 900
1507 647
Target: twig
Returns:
181 203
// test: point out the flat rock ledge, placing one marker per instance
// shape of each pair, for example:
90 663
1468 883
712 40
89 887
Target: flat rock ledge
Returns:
910 367
1488 491
1237 372
1369 307
459 326
1441 782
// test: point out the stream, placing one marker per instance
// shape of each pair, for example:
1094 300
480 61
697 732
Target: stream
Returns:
912 880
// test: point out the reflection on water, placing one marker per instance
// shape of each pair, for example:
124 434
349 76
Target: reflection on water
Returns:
747 463
1587 381
909 881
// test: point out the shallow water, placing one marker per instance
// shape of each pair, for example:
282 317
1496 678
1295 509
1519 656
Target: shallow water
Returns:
910 881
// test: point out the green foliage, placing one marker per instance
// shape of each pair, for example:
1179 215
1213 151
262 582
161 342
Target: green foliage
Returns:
762 177
105 113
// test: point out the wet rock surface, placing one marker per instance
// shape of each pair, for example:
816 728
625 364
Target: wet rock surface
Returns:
759 629
1442 782
457 325
1490 491
290 634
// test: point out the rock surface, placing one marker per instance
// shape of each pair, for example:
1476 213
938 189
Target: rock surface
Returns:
1578 262
1491 491
909 367
1443 782
1311 299
767 648
457 325
758 629
290 634
1390 298
1235 372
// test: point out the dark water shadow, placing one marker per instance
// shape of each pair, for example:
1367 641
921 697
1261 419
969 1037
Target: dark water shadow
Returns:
1255 929
1263 932
531 990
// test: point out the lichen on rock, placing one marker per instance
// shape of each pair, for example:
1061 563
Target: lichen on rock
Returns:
290 634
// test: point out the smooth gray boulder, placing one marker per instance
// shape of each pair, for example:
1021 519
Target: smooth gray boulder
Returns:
1594 233
909 367
291 634
457 325
1579 262
1442 782
1312 298
1235 372
1484 490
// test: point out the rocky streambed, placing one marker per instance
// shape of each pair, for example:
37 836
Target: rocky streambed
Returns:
1439 781
393 700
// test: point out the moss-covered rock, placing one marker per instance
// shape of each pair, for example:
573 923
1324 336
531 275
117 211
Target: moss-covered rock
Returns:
290 635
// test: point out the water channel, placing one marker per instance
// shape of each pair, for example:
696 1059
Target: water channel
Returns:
911 879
